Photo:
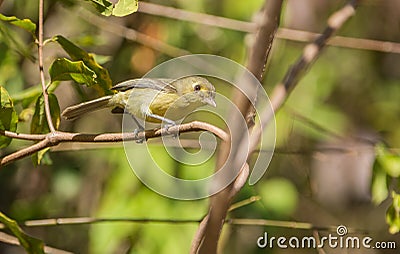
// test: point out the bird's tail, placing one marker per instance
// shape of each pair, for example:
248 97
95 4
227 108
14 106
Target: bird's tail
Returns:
75 111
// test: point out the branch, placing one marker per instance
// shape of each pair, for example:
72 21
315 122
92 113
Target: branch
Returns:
316 236
312 50
232 221
6 238
196 17
22 136
219 203
341 41
206 240
24 152
41 69
57 137
251 27
295 72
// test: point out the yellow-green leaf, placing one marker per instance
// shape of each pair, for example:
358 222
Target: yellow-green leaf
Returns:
103 80
390 162
393 214
103 6
125 7
379 186
25 24
64 69
27 96
39 121
121 8
15 41
8 116
39 124
42 157
30 244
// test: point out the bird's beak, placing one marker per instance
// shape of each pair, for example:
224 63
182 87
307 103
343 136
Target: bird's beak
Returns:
210 101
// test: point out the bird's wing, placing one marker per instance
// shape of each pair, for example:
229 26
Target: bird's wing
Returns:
156 84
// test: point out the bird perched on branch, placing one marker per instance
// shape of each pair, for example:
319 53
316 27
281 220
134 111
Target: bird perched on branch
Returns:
153 100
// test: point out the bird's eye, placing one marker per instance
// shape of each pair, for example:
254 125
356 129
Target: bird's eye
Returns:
197 87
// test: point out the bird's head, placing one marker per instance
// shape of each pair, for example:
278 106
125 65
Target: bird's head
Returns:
196 90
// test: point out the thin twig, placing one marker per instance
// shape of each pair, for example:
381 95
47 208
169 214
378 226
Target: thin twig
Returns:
330 133
22 136
92 220
6 238
245 202
288 224
340 41
24 152
295 72
41 69
199 235
231 221
57 137
316 236
131 34
353 150
312 50
251 27
196 17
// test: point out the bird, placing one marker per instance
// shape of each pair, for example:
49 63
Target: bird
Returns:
152 99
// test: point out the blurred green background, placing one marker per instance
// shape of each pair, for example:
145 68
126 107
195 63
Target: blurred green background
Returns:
313 177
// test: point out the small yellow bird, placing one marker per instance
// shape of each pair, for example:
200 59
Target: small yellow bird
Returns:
153 100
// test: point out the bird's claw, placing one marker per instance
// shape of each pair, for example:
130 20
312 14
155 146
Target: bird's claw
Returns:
166 129
136 134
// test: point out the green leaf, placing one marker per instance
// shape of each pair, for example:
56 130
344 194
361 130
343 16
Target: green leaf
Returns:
101 59
379 186
26 114
8 116
122 8
103 80
390 162
125 7
103 6
27 96
42 157
64 69
39 122
15 42
393 214
26 24
30 244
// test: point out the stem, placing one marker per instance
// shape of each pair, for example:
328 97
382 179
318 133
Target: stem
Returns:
57 137
41 69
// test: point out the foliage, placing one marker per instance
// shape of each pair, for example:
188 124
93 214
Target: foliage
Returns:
387 167
30 244
93 74
64 69
346 93
26 24
393 214
120 9
8 116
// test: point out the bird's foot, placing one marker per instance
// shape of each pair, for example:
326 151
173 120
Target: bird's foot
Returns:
166 128
139 140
